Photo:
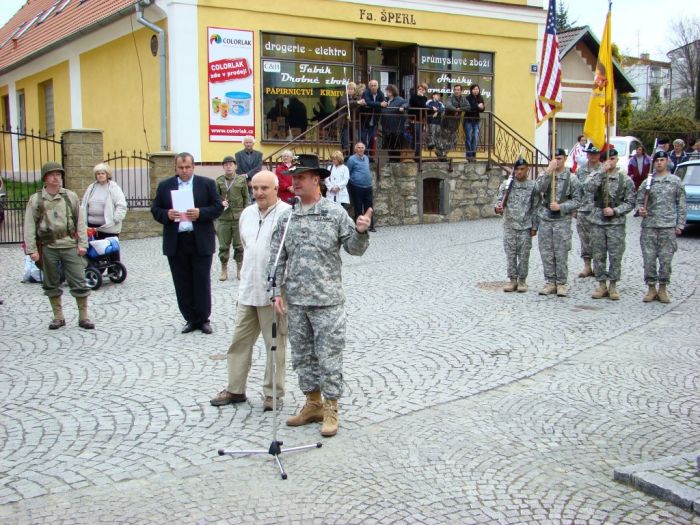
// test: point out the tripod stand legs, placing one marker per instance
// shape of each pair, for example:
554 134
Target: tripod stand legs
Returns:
275 450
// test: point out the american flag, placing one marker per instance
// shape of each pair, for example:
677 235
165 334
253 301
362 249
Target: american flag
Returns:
548 100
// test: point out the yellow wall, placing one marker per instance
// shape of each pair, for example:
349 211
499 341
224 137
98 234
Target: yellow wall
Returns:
513 43
33 100
112 97
6 144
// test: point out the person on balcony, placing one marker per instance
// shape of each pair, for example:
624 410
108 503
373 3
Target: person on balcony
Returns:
418 102
472 120
373 100
248 161
393 123
436 111
455 107
351 98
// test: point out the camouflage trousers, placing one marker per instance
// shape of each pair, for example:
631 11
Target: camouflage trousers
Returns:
658 244
583 227
517 244
608 246
229 236
555 244
317 337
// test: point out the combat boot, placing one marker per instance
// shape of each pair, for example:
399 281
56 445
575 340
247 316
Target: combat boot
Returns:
587 270
330 418
562 290
612 292
549 289
223 276
663 296
83 318
651 294
57 308
312 411
522 285
601 291
512 286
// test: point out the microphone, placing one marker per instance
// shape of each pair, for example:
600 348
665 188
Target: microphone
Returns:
294 201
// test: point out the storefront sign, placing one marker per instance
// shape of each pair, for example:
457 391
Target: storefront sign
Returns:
230 77
438 59
387 16
289 47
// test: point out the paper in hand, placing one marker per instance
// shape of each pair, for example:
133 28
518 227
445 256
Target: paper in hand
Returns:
183 200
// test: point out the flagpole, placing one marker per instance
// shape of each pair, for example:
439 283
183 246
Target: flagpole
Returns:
554 134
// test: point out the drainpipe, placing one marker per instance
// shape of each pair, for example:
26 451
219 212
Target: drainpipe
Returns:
163 87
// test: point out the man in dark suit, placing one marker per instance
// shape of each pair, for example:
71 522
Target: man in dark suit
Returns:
189 240
248 162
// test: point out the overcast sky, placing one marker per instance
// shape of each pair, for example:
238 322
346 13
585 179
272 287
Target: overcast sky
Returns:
639 26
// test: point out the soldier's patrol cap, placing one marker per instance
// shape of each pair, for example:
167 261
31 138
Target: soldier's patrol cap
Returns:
612 152
520 162
560 152
228 158
52 166
661 154
590 148
305 162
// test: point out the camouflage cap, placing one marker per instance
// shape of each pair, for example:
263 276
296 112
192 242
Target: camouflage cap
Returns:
52 166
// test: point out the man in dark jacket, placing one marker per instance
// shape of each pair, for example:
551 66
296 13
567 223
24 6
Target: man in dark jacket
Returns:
189 240
373 100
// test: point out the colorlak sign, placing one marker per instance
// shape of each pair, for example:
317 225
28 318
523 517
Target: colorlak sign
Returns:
230 76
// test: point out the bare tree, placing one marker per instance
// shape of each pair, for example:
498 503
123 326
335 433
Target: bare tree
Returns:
684 36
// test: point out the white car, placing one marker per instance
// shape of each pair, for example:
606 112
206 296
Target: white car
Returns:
626 147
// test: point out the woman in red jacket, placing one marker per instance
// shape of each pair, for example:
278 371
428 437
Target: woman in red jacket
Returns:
639 166
286 189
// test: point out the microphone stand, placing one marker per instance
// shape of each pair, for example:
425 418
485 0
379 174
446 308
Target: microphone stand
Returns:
275 448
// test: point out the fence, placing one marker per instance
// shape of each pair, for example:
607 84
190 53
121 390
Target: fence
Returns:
131 171
21 156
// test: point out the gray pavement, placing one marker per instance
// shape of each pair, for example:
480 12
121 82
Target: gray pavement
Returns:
462 405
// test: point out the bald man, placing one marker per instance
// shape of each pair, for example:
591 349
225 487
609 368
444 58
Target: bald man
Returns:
254 310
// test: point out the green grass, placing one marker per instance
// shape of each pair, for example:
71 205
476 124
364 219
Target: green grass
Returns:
19 190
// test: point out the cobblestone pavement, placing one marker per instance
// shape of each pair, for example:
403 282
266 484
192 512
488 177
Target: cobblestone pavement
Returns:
462 405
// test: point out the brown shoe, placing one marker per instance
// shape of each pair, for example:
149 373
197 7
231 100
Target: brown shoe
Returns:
56 324
226 398
267 404
86 323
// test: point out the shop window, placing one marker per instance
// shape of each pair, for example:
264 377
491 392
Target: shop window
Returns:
46 113
302 81
441 69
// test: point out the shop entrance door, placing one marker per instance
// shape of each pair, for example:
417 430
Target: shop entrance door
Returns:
384 75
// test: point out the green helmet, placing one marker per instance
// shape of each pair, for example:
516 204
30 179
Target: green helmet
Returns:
51 166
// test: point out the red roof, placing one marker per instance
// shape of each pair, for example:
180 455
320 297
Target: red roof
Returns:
43 24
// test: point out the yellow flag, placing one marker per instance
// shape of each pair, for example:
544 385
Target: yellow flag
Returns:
601 107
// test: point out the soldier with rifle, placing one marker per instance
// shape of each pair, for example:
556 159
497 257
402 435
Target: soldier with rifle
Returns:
516 202
662 207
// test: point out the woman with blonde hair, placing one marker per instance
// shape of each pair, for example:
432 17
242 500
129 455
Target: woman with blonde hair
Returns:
104 204
336 183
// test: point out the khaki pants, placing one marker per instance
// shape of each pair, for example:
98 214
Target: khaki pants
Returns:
250 321
73 268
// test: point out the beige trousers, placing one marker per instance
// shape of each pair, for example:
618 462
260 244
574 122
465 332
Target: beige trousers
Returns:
250 321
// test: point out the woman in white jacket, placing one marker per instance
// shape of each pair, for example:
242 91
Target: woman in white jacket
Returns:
104 204
336 184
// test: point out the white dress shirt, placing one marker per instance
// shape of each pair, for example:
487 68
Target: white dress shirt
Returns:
256 231
185 226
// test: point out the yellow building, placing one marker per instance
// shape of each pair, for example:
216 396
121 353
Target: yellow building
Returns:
221 68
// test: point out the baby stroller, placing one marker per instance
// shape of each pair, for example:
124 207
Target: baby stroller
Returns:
100 261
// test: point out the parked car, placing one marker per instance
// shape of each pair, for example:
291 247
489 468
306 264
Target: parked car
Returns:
625 146
689 172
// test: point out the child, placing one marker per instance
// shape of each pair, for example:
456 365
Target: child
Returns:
434 118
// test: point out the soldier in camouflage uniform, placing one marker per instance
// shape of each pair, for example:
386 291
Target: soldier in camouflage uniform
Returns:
55 231
583 226
519 224
554 211
233 190
310 270
664 214
613 195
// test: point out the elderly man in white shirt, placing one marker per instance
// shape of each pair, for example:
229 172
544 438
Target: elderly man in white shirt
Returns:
254 312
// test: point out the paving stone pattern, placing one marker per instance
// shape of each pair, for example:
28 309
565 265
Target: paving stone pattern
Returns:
463 404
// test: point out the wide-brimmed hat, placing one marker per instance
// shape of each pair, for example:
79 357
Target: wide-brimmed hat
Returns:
306 162
52 166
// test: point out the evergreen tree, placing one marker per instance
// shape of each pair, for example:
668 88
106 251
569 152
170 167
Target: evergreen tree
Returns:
563 22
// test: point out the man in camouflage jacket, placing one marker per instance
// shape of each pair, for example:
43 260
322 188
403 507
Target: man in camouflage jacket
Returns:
309 269
583 226
233 190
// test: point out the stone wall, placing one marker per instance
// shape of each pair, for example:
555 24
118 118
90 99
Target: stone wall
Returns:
466 192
